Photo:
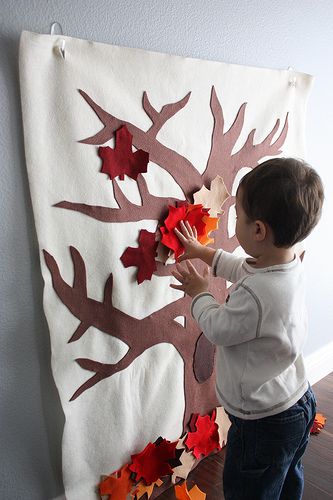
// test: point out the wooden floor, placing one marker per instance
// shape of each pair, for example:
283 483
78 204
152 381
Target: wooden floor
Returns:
318 458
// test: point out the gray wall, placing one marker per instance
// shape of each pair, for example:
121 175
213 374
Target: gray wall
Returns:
271 33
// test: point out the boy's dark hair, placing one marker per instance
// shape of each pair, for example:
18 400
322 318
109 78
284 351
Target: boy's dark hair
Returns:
287 194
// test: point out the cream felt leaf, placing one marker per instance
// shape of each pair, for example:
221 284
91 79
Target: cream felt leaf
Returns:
223 423
214 197
187 460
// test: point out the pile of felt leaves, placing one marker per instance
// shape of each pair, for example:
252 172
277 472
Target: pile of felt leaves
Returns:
163 463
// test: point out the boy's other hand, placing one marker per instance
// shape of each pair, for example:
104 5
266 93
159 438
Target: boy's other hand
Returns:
191 281
189 239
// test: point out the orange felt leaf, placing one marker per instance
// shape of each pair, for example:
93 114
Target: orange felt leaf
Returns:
142 488
118 485
206 437
211 224
195 493
318 423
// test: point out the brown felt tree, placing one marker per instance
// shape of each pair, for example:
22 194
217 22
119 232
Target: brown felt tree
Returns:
161 327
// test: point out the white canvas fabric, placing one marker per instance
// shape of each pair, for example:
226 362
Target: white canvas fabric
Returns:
118 416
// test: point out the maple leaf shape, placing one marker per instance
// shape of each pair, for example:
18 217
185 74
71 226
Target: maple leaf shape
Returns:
223 423
118 485
195 493
143 488
152 463
318 423
121 160
195 215
213 197
187 461
211 224
143 257
206 437
176 462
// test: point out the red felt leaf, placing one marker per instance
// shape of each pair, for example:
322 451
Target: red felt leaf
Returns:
152 462
169 238
121 160
143 257
196 215
206 437
118 485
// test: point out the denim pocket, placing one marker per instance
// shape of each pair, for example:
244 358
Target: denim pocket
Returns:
279 436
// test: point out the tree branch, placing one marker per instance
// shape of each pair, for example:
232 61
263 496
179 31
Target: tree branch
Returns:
167 111
152 207
181 169
221 161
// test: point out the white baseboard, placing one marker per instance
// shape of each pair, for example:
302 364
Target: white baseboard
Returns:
318 364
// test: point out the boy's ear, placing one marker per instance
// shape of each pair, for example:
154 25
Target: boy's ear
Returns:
260 230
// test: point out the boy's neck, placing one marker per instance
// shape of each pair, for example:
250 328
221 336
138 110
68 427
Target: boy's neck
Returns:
274 256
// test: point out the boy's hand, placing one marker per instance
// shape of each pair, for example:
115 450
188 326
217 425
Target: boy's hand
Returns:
191 281
188 238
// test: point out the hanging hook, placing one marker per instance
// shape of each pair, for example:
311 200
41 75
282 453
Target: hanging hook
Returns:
60 45
53 27
292 78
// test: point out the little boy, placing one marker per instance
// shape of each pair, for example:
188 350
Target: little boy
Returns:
260 331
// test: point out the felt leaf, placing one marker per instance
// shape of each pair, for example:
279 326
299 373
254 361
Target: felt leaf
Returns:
142 488
118 485
206 437
318 423
143 257
196 216
152 463
162 253
176 462
214 197
169 239
211 224
121 160
191 424
223 423
187 461
195 493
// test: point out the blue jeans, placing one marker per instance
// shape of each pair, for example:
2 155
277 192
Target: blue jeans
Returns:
264 456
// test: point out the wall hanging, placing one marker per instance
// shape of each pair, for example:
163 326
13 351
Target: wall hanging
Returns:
121 144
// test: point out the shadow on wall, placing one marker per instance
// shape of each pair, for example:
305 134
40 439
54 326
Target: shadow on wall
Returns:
30 407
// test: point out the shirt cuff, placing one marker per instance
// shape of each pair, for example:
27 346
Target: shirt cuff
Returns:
216 260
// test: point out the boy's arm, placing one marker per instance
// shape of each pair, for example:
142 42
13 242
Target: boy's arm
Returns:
228 266
229 324
232 323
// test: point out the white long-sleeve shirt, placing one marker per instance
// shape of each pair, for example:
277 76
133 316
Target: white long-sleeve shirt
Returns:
259 333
